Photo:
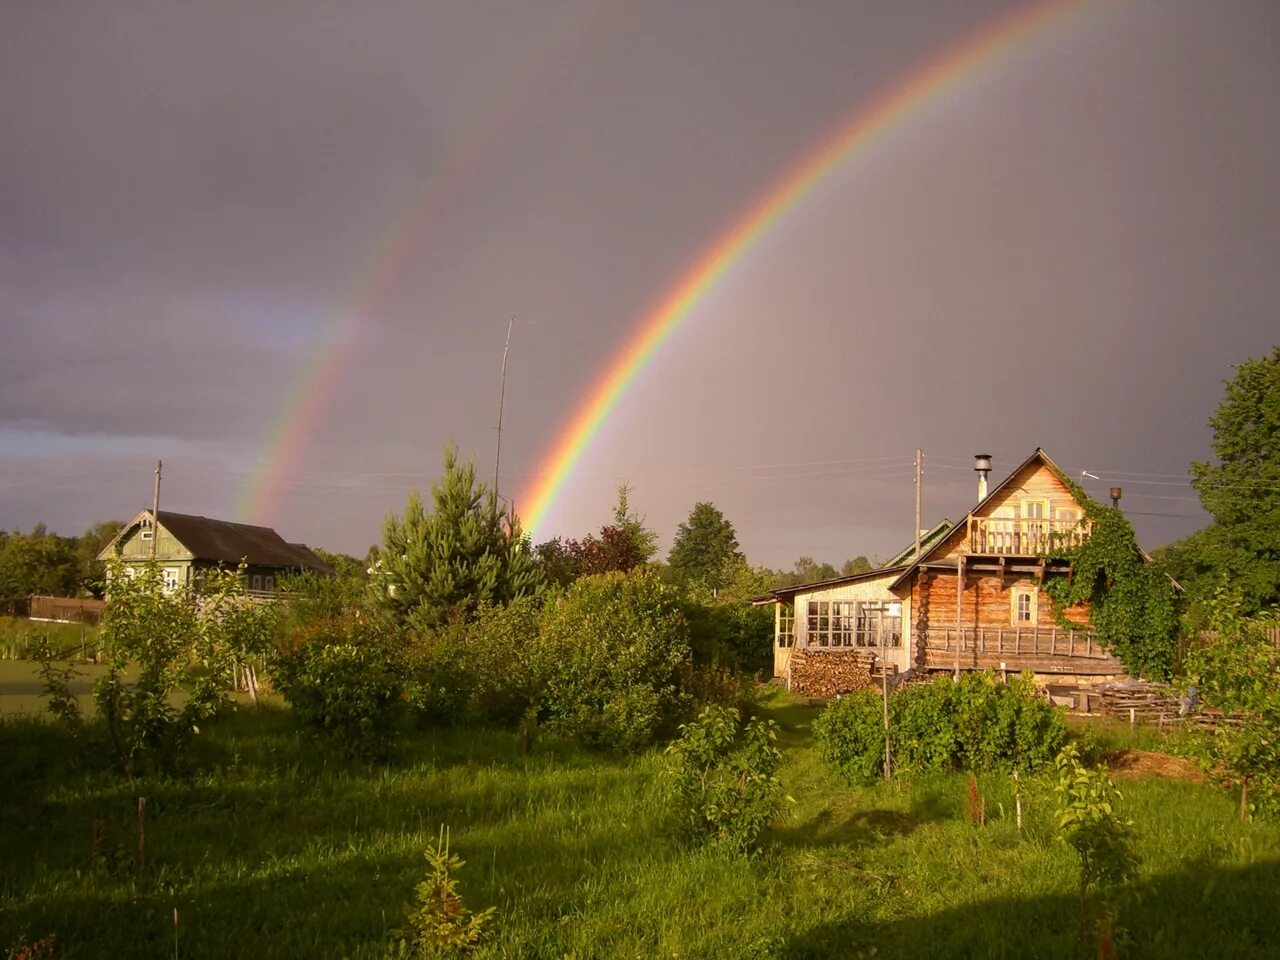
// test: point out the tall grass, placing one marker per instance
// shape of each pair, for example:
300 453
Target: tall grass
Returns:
22 639
271 846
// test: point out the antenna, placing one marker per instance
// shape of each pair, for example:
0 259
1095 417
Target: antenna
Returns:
502 396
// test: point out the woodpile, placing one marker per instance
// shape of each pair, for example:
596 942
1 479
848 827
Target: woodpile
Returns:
1140 701
825 673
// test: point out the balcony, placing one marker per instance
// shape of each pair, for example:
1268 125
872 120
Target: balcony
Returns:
1005 536
1044 650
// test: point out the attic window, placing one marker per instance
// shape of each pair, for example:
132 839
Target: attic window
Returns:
146 534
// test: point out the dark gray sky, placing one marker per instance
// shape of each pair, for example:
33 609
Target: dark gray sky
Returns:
1070 249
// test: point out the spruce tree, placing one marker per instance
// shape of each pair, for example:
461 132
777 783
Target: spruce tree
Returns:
457 557
704 547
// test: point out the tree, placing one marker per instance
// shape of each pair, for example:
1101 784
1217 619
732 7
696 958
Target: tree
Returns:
619 547
644 540
38 563
93 574
856 565
454 559
1242 489
705 545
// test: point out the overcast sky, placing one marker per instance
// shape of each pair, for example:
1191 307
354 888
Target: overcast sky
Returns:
1068 248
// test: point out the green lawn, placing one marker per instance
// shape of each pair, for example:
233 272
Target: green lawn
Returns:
272 847
20 638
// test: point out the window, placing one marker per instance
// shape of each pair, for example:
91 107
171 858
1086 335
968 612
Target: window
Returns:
1023 602
172 577
843 616
146 534
269 583
846 623
257 582
879 622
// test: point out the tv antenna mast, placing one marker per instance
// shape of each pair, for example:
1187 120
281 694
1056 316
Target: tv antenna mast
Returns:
502 395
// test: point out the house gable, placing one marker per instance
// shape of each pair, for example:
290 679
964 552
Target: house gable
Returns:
1034 491
130 543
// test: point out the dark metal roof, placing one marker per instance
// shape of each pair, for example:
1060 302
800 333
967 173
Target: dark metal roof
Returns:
222 541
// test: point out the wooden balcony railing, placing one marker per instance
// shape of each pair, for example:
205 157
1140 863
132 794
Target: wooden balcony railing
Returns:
1024 538
1052 641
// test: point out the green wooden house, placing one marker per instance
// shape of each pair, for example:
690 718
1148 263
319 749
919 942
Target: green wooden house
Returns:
186 544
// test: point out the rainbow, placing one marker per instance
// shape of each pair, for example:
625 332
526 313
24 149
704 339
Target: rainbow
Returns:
300 415
851 139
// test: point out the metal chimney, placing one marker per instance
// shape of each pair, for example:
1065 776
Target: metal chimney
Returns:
982 466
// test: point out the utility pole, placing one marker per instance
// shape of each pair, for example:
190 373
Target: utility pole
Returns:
155 511
502 396
919 471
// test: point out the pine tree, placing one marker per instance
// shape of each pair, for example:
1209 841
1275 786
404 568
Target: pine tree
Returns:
632 524
455 558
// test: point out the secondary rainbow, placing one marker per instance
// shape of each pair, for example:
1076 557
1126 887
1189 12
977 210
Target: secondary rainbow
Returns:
300 415
853 137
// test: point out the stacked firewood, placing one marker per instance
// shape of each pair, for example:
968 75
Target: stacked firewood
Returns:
1142 701
826 673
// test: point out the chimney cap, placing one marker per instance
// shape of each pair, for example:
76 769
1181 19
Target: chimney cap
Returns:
982 462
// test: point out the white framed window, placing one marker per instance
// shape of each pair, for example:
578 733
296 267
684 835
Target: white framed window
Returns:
172 578
269 583
787 625
256 582
1022 607
146 535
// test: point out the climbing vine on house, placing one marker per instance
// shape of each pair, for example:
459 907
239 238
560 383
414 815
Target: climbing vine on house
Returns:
1132 603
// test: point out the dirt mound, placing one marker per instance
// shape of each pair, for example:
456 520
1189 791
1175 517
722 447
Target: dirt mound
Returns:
1140 764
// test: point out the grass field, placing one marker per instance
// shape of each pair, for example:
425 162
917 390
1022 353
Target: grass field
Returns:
270 846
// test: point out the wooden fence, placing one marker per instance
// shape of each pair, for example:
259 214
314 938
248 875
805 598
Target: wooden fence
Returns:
66 609
1044 650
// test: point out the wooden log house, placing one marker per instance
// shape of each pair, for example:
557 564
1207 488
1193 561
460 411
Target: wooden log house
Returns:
973 599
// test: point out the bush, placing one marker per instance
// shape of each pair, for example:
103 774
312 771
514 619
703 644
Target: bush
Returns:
850 734
477 671
177 642
977 723
610 656
723 777
341 679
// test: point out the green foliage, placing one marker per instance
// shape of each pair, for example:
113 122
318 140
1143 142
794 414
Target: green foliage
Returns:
176 641
342 679
723 777
1132 603
704 546
455 559
56 677
977 723
43 563
440 924
610 655
1236 669
1242 489
850 734
481 670
633 526
723 628
1088 822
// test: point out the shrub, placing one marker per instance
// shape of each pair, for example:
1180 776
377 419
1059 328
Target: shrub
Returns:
977 723
723 777
480 670
441 924
1236 668
850 734
1089 823
341 679
610 656
178 642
